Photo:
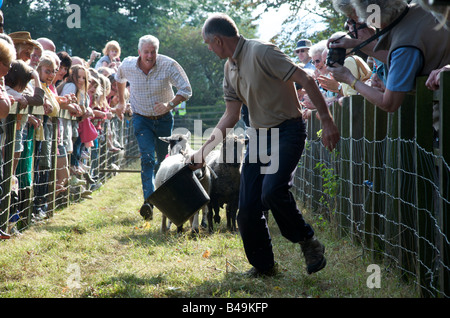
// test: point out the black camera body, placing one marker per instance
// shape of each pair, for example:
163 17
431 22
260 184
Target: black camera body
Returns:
336 55
437 2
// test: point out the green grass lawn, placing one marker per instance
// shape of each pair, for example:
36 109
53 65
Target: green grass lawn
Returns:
102 248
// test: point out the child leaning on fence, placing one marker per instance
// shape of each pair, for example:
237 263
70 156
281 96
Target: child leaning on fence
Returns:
76 84
7 55
15 82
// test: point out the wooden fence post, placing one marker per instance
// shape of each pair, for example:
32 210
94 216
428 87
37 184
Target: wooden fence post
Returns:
356 166
444 179
51 195
406 185
10 132
391 232
337 113
316 181
424 191
378 198
344 207
369 149
307 166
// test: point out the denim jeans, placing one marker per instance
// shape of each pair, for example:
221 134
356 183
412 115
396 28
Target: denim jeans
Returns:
260 192
147 132
76 152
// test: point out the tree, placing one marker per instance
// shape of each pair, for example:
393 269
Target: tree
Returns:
298 26
176 23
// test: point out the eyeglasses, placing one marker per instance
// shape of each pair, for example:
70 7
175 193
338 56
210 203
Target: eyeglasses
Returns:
314 62
301 51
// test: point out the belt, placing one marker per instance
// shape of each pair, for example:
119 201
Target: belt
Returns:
152 117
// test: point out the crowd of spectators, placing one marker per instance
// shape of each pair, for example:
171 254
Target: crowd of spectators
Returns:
384 69
48 88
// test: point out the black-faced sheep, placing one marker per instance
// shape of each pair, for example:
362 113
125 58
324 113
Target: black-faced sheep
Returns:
179 151
226 163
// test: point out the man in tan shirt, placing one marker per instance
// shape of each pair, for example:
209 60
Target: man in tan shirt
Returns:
260 76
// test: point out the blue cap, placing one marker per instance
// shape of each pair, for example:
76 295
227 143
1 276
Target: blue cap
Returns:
303 44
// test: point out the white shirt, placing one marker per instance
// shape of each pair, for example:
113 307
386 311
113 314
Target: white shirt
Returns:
156 86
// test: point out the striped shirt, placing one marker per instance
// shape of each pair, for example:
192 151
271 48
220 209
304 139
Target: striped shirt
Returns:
156 86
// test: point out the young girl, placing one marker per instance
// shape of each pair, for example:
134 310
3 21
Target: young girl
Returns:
111 56
46 69
77 83
16 81
7 55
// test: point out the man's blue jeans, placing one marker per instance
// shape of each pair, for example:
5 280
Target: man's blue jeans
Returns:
260 192
147 132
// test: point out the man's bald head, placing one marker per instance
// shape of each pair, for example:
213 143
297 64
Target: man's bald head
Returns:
47 44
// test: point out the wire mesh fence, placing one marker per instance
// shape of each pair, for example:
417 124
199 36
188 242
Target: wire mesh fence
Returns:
386 186
37 178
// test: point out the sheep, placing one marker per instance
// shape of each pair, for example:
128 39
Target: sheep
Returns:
179 151
225 188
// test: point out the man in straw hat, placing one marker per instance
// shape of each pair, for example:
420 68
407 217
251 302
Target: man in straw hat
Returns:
24 44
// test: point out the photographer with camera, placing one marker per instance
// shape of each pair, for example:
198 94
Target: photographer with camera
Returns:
355 64
414 46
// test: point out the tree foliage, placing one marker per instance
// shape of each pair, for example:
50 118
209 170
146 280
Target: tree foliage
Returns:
299 25
176 23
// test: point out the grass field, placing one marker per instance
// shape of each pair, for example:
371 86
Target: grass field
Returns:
102 248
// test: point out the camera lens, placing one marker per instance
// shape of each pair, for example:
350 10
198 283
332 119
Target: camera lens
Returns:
336 55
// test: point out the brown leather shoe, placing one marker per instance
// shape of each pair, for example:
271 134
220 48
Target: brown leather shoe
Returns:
4 236
313 251
254 272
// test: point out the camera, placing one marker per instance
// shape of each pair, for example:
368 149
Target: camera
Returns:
437 2
336 55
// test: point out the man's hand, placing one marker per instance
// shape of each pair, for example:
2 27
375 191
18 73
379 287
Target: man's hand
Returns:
330 134
345 42
330 84
341 74
161 108
196 161
120 109
434 80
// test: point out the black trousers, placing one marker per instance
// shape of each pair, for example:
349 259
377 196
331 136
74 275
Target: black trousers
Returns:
270 190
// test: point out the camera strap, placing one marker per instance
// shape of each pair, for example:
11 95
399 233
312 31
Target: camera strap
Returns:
381 32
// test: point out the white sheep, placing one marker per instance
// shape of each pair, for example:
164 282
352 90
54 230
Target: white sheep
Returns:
226 164
179 151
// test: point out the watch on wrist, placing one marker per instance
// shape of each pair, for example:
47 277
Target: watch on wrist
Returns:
171 104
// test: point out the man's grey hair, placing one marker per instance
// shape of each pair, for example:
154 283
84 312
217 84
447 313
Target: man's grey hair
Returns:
219 24
344 6
148 39
389 9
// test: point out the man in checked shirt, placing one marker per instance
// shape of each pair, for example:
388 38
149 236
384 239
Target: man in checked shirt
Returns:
152 77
